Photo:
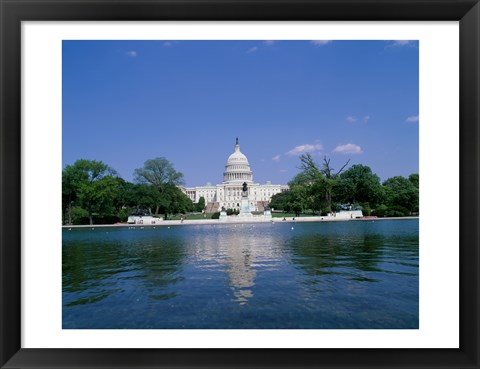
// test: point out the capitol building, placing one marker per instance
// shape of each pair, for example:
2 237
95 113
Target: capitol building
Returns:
228 194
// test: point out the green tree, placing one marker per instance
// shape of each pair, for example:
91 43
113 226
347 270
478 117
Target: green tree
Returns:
161 174
360 185
301 195
414 179
90 184
279 201
323 179
319 199
175 201
99 196
77 215
142 196
298 198
401 192
200 205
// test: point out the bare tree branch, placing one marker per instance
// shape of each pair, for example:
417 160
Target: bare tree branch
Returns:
342 168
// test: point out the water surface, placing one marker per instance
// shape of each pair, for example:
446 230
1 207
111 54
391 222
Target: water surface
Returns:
330 275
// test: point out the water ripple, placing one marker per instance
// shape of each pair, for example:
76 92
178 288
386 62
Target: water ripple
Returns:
340 275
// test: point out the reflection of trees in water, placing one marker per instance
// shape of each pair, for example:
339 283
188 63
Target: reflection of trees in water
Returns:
332 254
161 267
86 270
91 271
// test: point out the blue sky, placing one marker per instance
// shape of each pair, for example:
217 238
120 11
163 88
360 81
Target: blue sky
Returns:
125 102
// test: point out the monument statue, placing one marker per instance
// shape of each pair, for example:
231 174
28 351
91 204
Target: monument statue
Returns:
245 208
223 214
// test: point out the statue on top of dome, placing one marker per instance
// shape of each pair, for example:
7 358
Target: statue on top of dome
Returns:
236 142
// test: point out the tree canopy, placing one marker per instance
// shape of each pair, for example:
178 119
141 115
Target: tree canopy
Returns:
93 191
359 184
158 172
200 205
161 174
322 189
402 192
91 185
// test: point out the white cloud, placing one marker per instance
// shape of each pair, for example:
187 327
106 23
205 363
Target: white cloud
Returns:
268 42
131 53
351 119
348 149
252 50
401 43
413 118
320 42
306 148
276 158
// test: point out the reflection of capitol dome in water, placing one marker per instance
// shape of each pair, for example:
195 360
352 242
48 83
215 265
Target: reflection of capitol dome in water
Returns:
241 272
228 194
237 168
239 253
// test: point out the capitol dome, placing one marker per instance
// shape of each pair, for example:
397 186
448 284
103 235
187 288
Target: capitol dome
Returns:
237 168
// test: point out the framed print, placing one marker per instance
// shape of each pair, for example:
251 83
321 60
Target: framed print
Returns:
306 249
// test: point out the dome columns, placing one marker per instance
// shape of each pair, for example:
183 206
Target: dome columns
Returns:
237 168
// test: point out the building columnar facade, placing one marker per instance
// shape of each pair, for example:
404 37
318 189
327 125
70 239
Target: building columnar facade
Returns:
228 194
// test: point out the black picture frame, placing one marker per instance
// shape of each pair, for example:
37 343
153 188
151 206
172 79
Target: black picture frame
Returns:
13 12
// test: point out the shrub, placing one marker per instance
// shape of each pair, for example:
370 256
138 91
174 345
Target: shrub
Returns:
397 211
105 219
324 212
216 215
78 215
366 211
123 215
380 211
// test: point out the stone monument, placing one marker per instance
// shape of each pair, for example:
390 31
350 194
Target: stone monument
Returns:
245 205
267 213
223 214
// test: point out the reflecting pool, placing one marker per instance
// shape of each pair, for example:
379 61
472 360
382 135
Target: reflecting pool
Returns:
330 275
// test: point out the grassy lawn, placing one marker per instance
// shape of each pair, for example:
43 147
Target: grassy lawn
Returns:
189 216
290 215
200 216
